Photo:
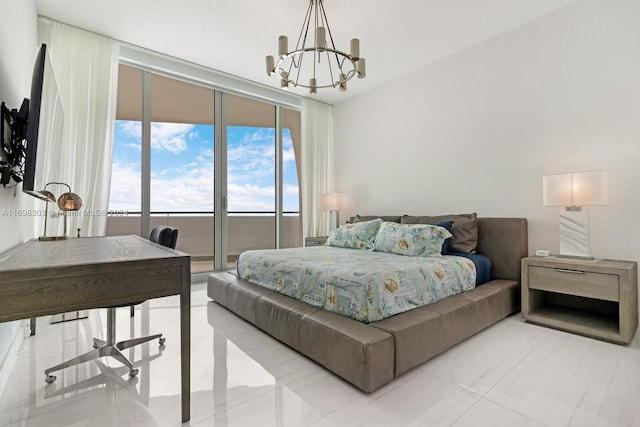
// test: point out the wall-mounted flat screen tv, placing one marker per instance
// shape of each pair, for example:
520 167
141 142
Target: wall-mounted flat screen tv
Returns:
44 123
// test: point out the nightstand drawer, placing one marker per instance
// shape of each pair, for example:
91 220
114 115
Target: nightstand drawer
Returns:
574 282
315 241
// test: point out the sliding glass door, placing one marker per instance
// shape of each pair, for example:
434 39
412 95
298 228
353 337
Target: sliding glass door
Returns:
221 168
251 175
182 165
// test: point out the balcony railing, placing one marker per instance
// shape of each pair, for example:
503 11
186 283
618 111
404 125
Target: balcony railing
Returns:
246 230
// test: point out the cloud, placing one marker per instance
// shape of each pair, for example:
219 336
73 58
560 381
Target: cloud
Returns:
180 188
171 137
177 191
251 197
125 187
290 190
183 179
130 129
288 155
264 135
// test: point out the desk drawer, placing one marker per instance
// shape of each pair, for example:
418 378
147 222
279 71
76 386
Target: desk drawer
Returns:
574 282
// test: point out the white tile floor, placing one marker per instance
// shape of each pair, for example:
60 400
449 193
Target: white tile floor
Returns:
512 374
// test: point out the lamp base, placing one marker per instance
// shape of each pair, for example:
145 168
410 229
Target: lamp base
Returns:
51 238
574 233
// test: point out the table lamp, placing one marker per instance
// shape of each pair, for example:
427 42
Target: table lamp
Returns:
573 192
334 202
67 202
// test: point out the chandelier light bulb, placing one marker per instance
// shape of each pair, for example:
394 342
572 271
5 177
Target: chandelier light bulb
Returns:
355 49
283 46
342 83
321 39
271 66
313 86
361 68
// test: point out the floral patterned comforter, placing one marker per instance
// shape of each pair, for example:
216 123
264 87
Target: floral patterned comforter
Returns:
360 284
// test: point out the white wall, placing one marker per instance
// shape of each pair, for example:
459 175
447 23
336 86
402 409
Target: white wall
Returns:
477 130
18 46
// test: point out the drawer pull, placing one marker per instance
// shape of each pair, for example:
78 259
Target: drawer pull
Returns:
562 270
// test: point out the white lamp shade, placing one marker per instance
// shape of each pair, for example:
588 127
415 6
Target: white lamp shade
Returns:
575 189
556 190
334 201
590 188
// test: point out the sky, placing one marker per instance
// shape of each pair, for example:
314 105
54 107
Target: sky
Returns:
182 168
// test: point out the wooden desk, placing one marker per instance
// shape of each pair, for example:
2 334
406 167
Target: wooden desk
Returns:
42 278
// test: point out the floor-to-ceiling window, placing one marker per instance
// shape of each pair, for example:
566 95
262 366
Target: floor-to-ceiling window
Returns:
182 164
165 168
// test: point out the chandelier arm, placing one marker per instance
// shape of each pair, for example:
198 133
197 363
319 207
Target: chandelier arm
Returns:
350 74
304 43
305 27
303 30
292 65
299 68
316 53
333 45
330 69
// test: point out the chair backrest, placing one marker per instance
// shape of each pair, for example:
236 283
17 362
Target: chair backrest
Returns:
164 235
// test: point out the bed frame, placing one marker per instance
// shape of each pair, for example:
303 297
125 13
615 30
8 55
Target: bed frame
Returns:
371 355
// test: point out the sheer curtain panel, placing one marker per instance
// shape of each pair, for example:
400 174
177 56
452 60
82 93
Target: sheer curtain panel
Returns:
86 71
317 165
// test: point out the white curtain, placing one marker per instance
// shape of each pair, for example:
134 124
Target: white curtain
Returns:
317 166
86 71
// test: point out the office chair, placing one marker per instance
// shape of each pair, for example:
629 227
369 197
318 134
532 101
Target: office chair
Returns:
164 235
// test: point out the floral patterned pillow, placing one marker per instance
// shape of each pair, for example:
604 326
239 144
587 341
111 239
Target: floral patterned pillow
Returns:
411 239
355 236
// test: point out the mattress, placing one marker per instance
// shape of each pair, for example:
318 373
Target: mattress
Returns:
363 285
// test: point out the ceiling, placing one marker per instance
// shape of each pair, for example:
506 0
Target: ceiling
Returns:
396 36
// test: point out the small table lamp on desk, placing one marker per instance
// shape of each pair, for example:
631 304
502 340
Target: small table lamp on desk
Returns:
67 202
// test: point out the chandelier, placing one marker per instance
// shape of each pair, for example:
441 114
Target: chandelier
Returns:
319 63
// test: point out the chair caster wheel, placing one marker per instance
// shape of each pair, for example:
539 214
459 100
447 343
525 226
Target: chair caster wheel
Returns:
162 341
133 373
50 379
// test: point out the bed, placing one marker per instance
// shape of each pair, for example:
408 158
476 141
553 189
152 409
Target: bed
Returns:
373 350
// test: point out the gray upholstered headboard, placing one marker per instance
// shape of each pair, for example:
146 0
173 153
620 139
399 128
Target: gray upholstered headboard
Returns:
505 242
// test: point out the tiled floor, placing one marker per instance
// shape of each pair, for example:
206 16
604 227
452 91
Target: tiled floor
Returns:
512 374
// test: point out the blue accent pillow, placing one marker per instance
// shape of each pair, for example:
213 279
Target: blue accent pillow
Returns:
447 225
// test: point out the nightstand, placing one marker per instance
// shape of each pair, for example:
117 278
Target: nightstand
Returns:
315 241
598 299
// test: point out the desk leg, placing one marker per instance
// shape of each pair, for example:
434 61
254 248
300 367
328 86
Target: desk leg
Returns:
185 338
